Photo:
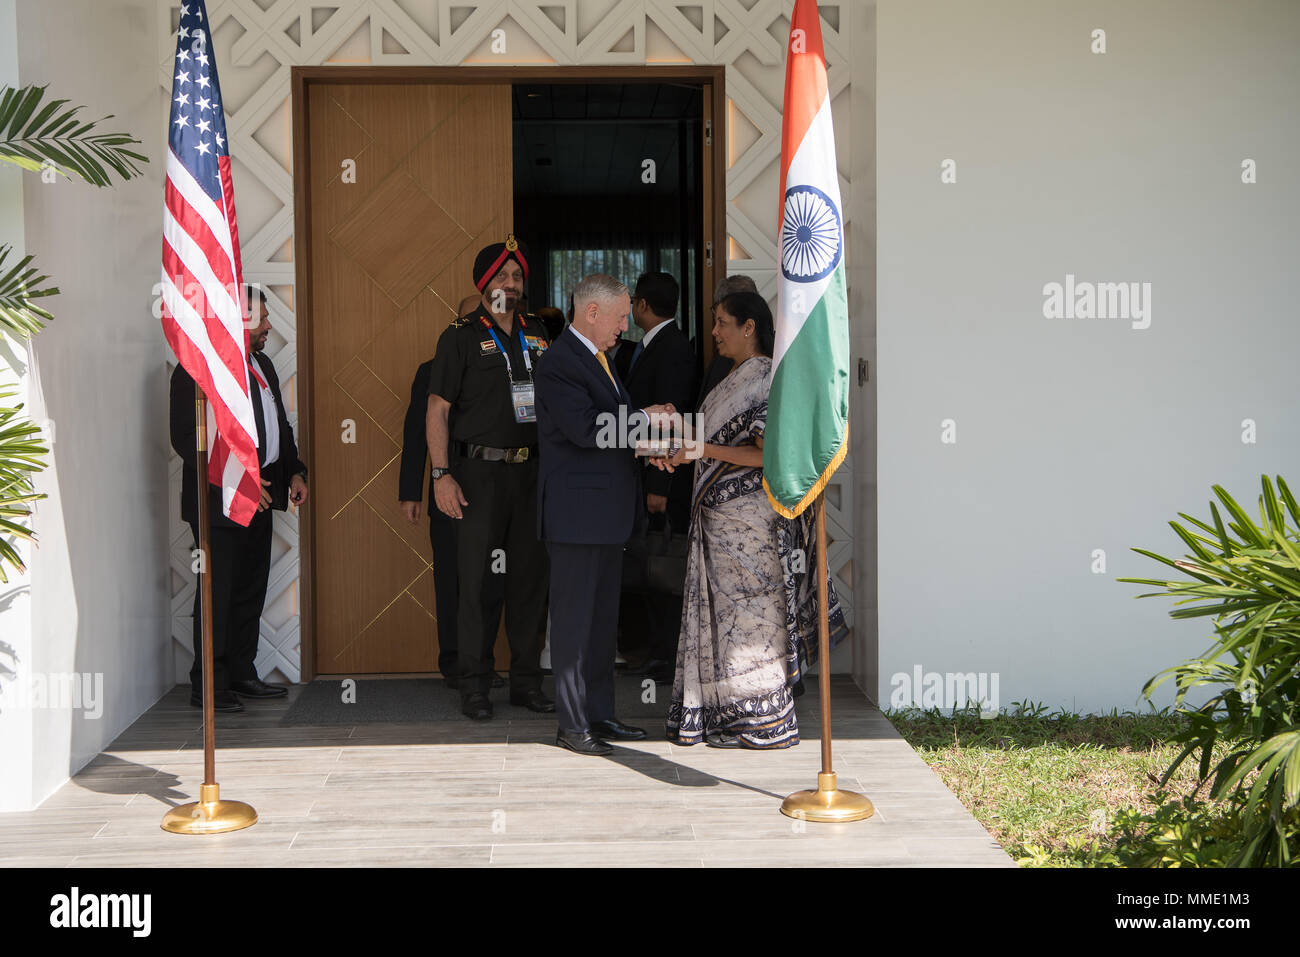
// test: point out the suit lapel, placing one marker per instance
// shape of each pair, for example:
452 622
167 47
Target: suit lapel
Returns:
588 358
645 352
255 394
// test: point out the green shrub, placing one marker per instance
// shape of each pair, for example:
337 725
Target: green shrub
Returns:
1247 578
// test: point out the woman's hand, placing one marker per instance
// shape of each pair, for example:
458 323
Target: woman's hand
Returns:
674 461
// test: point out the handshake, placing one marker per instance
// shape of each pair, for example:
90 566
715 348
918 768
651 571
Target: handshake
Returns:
670 443
662 433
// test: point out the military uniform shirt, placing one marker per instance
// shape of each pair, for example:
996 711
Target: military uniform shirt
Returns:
469 371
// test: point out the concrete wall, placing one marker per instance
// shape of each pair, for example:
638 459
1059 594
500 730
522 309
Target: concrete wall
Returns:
1074 435
99 588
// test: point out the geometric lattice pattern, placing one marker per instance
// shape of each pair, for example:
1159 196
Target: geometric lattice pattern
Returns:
257 41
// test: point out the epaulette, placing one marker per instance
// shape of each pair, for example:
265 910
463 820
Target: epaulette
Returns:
457 323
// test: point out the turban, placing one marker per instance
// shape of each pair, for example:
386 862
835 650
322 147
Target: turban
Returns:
491 258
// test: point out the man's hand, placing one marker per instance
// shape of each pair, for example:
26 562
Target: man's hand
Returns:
664 418
265 501
447 493
297 490
656 504
411 510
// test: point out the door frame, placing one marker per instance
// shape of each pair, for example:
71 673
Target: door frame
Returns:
303 79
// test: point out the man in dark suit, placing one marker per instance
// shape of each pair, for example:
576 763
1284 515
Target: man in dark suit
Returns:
662 371
239 558
588 500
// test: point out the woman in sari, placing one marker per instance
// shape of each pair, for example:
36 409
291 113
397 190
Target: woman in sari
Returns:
749 609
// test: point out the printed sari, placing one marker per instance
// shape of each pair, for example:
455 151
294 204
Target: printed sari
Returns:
749 608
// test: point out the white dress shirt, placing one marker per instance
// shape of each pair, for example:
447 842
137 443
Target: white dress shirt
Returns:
270 421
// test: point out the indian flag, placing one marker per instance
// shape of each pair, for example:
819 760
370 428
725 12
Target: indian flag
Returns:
808 408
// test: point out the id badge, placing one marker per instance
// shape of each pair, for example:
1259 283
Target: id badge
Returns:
521 394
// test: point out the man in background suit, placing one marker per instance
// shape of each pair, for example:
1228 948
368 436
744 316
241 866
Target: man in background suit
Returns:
588 500
662 371
239 558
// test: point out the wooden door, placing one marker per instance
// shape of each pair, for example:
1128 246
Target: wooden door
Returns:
407 182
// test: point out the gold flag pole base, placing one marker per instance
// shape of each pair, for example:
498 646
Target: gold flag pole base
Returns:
828 804
209 814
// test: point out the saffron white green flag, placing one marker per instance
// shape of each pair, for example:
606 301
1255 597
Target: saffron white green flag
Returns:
808 408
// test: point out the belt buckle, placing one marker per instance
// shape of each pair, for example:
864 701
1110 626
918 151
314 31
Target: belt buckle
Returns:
520 455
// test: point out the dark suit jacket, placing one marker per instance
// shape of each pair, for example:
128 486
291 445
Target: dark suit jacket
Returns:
586 495
665 372
278 472
415 442
623 357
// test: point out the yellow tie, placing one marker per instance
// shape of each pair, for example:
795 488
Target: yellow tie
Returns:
604 364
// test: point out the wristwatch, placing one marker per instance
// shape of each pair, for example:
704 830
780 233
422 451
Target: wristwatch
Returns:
437 473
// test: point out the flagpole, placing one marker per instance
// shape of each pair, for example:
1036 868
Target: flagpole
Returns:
210 814
828 803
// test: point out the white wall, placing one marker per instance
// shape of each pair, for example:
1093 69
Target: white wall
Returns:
99 588
1074 435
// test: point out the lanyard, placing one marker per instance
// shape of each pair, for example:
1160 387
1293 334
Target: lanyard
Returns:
523 345
252 367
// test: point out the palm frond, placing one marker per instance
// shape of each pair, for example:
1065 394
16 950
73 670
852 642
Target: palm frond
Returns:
22 454
35 134
19 315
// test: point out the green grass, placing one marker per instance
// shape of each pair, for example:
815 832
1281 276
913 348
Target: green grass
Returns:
1048 786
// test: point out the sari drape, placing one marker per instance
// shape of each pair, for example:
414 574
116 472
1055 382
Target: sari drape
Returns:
749 608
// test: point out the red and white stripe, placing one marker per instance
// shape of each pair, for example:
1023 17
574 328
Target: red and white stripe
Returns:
203 320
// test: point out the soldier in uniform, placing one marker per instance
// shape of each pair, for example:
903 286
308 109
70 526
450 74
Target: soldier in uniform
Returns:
484 471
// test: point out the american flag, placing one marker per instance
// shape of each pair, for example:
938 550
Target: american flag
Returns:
202 300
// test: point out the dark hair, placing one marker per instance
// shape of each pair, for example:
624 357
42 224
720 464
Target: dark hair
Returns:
252 291
660 291
729 284
750 305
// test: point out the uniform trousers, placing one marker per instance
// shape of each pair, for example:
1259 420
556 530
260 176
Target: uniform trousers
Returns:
497 536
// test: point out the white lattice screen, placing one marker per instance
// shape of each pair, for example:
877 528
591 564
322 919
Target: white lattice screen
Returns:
256 43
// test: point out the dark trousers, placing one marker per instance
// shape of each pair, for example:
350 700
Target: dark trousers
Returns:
446 590
238 562
667 614
584 619
499 525
649 619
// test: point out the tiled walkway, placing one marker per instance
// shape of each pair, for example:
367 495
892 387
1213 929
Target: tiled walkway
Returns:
496 793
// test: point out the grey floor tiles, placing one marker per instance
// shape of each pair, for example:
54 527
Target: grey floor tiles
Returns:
463 794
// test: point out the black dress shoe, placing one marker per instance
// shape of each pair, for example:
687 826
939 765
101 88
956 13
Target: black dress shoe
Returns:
476 706
534 701
223 701
257 688
616 730
720 739
582 742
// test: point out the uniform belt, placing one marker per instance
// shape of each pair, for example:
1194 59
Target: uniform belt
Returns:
492 454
